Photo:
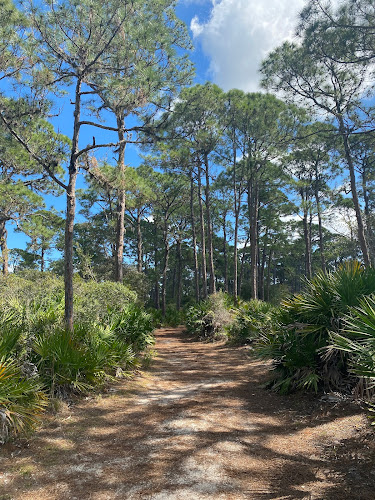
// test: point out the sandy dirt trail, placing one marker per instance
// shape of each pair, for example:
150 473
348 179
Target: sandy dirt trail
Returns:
197 425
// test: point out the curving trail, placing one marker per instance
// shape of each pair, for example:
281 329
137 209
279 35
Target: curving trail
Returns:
197 425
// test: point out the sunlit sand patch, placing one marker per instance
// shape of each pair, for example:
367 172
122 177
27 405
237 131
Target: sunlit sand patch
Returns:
207 477
51 443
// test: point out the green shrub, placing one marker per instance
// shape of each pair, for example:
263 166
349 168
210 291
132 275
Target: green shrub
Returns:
357 339
93 300
21 400
65 364
251 318
209 319
297 343
134 327
110 332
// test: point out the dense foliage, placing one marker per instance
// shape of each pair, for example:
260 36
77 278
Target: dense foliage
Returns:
40 358
300 340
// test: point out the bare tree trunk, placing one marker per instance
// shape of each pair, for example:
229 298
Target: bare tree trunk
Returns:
192 219
306 235
209 228
121 201
319 210
357 208
42 261
242 266
369 230
203 235
179 275
157 290
235 256
225 252
139 243
70 212
253 205
165 268
270 257
237 205
4 247
262 267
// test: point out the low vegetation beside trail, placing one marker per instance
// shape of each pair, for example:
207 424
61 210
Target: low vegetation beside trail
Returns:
40 359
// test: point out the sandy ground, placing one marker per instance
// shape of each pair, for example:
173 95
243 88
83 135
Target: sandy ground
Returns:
197 425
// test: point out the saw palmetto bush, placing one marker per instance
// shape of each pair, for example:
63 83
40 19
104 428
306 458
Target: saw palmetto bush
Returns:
132 326
298 342
357 340
250 319
22 400
40 359
65 364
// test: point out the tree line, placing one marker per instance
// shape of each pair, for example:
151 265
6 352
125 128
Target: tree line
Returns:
235 189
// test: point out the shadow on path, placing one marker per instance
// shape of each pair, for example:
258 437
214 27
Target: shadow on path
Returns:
198 425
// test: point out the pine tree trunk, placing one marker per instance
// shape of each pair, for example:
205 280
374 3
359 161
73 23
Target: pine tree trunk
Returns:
225 253
357 208
121 202
369 230
242 266
139 243
253 206
262 267
203 235
320 226
194 236
306 235
179 275
209 228
237 205
4 248
157 289
42 261
270 257
165 268
70 212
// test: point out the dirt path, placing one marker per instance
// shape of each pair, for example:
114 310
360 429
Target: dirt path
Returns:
198 425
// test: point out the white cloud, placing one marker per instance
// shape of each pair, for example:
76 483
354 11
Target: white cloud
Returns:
240 33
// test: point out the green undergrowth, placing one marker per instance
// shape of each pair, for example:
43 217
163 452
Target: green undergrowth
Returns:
40 360
324 337
172 317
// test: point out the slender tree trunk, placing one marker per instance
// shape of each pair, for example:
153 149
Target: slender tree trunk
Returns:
369 230
235 256
165 268
306 235
242 267
225 252
270 257
262 267
42 260
203 235
320 226
70 212
357 208
121 202
237 205
209 228
179 275
192 220
253 205
139 243
4 247
157 290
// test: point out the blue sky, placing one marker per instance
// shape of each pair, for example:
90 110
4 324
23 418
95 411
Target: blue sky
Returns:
230 37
